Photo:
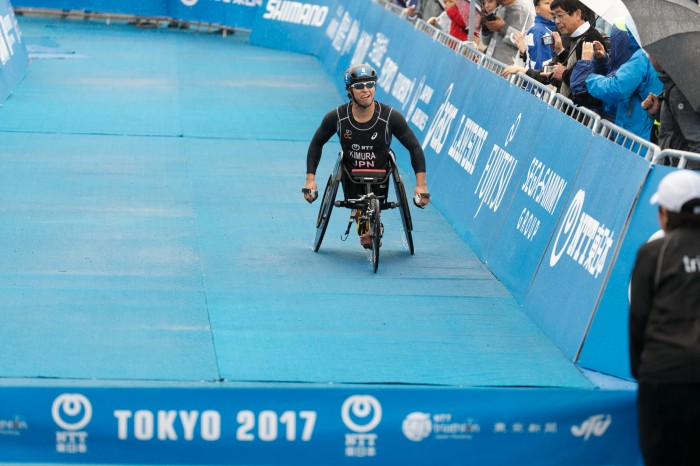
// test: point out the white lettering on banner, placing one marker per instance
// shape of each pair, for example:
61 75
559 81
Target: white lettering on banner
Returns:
352 37
467 144
594 425
387 74
189 2
342 32
7 38
495 178
379 48
250 3
268 423
543 185
415 115
145 425
402 88
440 127
585 240
363 45
296 12
528 224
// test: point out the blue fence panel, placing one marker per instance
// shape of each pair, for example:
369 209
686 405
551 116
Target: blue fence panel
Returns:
584 244
606 348
132 7
542 190
293 26
312 426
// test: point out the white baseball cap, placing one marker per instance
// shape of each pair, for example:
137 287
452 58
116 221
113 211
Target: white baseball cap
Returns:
676 189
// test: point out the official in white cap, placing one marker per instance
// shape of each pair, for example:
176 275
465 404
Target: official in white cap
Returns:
664 327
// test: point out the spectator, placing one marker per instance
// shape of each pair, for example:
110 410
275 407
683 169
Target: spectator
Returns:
570 18
539 38
423 9
442 21
459 27
487 7
664 327
624 89
512 16
602 63
680 124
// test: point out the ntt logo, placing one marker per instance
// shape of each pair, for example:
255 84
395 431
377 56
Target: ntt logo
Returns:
71 411
361 413
189 2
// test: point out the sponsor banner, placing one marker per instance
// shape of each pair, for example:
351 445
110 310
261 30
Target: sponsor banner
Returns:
13 54
584 244
294 26
601 351
541 192
316 426
134 7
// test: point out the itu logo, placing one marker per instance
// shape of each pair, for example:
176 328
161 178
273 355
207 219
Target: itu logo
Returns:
71 411
189 2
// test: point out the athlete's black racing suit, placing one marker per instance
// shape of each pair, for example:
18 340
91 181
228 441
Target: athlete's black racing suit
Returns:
364 145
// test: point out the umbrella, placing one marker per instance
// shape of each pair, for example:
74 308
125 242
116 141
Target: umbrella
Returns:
609 10
669 30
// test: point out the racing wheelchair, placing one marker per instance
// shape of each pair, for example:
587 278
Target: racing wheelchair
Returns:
369 204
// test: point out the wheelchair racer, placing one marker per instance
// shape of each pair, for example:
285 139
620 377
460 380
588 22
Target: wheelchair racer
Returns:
365 128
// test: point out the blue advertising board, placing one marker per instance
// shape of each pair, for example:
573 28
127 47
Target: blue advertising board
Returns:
314 426
13 54
542 189
134 7
600 351
584 244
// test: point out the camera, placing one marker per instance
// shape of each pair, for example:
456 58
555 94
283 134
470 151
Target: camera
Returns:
548 69
490 17
547 39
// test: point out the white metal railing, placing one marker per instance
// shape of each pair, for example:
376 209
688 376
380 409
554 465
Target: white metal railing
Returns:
492 65
628 140
668 155
534 87
470 52
583 115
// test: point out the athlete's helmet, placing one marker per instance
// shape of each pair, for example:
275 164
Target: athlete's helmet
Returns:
359 73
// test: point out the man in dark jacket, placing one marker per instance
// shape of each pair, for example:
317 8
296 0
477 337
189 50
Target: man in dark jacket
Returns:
664 327
570 16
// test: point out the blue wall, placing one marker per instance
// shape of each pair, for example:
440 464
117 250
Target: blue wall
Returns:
545 203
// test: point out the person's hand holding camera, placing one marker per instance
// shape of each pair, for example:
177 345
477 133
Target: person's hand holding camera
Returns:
519 41
587 51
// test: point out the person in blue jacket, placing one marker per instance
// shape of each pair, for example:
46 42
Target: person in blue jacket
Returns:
625 89
603 64
539 38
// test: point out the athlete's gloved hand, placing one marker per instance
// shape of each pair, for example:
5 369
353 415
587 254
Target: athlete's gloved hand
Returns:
421 200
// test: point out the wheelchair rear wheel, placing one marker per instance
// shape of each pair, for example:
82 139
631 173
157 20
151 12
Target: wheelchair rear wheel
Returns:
324 211
403 208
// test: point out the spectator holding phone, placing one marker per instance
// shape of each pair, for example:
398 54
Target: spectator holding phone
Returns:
512 16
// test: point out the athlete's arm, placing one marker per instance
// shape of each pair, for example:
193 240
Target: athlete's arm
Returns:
400 129
313 155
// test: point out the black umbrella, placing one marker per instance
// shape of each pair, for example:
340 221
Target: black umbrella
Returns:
670 32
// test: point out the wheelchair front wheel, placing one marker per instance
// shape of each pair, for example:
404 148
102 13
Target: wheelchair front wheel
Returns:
324 211
376 223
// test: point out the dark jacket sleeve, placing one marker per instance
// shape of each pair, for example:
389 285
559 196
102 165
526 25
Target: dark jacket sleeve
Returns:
641 296
324 132
400 129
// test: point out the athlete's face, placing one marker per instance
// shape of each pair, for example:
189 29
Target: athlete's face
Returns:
364 96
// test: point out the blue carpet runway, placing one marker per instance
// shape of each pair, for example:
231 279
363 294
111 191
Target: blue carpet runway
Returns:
154 231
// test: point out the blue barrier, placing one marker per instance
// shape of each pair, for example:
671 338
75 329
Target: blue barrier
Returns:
13 54
308 426
583 245
509 172
607 342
